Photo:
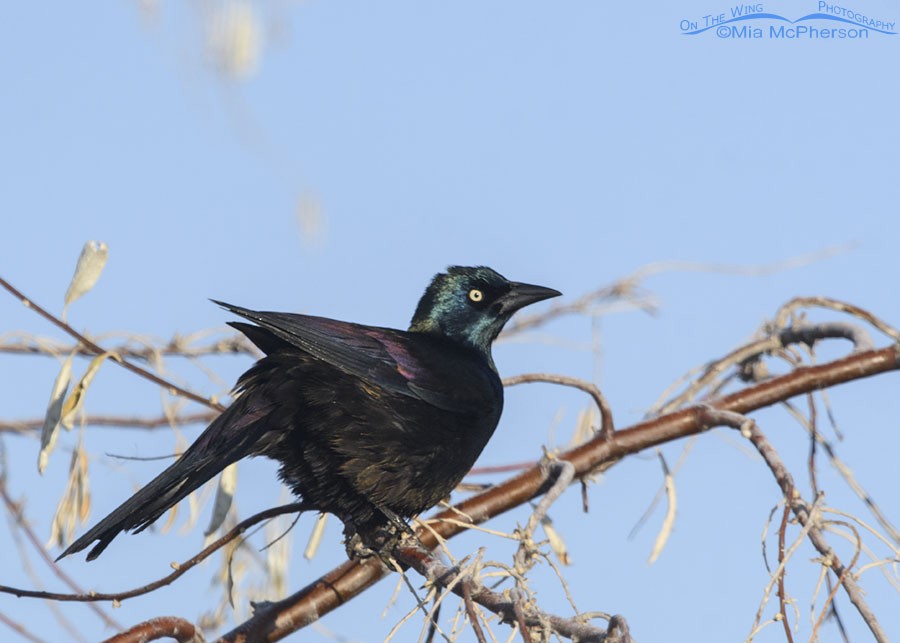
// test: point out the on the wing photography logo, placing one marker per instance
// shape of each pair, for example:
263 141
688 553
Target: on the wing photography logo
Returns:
828 22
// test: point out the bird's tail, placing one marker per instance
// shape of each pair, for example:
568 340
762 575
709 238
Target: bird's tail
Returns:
230 437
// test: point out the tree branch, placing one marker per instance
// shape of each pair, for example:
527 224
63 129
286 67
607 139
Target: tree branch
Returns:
160 627
175 347
97 350
800 509
344 582
180 569
15 510
606 417
509 609
34 425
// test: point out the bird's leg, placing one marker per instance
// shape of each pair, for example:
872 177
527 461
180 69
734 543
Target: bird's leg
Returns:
396 521
377 539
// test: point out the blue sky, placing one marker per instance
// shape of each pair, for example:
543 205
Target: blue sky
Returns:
566 145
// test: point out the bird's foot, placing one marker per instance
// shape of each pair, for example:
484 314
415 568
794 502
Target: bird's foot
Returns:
356 548
379 541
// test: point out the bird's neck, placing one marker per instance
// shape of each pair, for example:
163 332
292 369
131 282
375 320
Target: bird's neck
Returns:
461 340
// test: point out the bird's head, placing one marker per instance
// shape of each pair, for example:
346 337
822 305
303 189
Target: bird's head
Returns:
471 305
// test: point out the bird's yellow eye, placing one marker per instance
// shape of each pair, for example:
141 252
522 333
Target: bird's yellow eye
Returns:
476 295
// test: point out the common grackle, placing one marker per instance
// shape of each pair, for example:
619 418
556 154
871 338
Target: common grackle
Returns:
374 425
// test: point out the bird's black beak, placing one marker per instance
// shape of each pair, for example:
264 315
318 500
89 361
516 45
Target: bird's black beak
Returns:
521 295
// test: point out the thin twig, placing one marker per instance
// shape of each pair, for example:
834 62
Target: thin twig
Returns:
518 598
782 603
19 629
626 287
606 429
560 474
176 347
424 562
15 509
472 613
34 425
830 600
97 350
800 509
834 304
743 355
180 569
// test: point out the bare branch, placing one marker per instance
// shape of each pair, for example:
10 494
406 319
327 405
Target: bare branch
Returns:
124 421
782 602
626 288
788 309
161 627
352 577
798 334
180 569
19 629
471 612
15 509
424 562
800 509
97 350
590 388
174 347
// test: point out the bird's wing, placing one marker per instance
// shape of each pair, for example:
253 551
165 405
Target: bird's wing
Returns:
395 361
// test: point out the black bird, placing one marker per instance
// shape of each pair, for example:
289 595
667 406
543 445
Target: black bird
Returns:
373 425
